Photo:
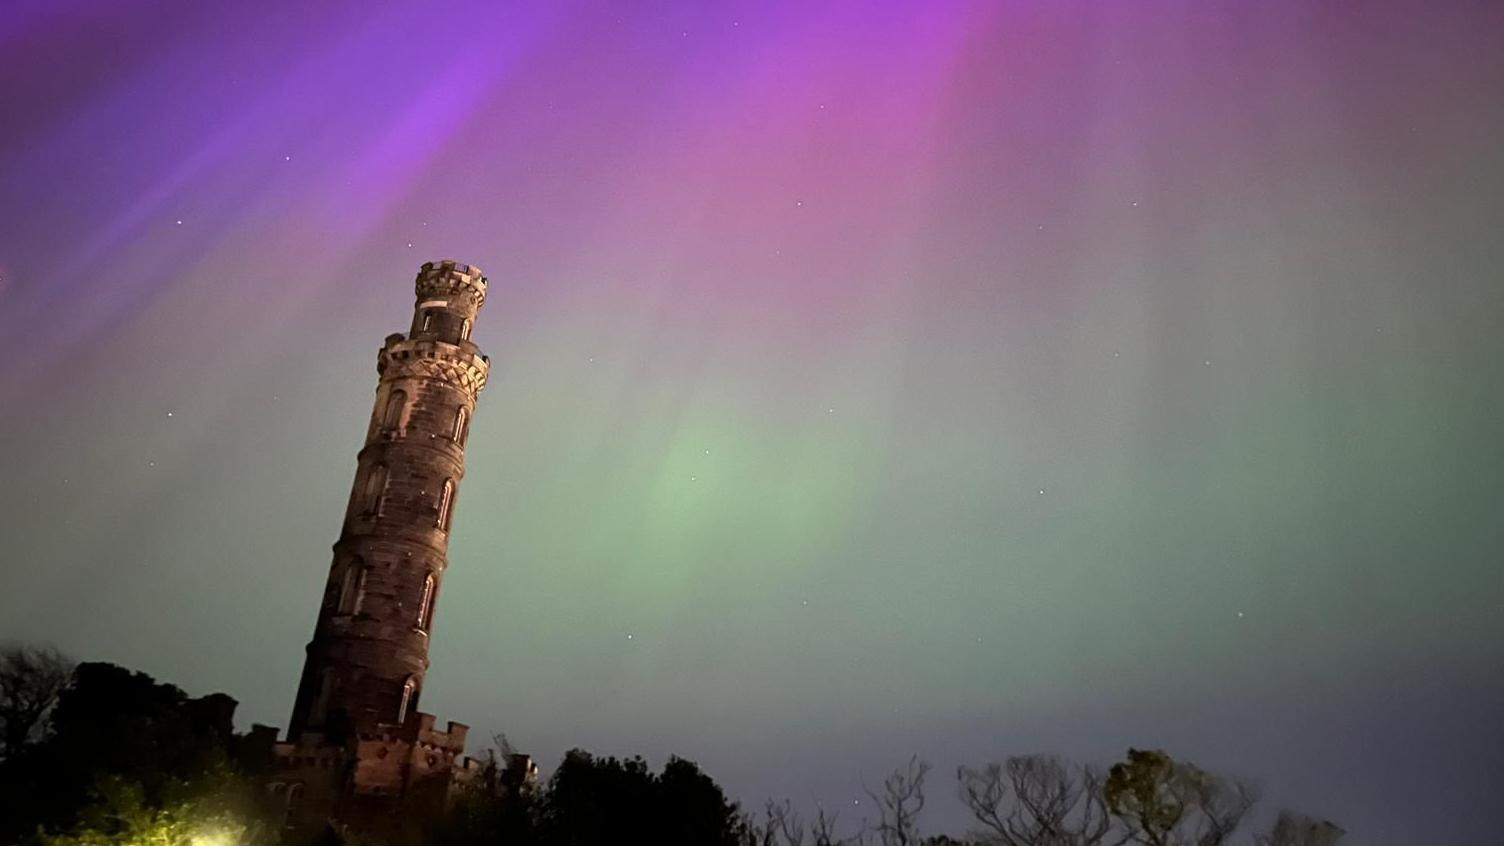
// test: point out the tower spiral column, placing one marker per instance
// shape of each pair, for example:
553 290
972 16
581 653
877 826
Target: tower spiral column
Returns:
369 652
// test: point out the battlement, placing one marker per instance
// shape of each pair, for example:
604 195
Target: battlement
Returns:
449 278
451 739
430 359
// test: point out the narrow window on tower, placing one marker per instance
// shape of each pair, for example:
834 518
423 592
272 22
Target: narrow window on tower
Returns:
326 692
427 321
359 599
446 500
465 330
461 422
347 587
353 588
425 608
407 698
375 489
392 420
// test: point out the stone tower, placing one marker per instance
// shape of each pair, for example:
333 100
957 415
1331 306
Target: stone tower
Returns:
357 747
369 651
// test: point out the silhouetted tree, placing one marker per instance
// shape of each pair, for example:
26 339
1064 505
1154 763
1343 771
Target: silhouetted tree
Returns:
31 678
1036 800
593 800
587 798
781 825
1159 801
694 808
480 816
115 735
823 831
115 757
899 804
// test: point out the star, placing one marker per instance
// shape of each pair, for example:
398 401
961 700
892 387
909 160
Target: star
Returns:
169 414
287 158
798 202
1208 362
629 637
1041 491
180 223
1240 613
1135 203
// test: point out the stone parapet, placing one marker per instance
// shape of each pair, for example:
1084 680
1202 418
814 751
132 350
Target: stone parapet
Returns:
450 279
431 359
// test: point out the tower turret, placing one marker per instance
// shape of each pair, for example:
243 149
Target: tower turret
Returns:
369 653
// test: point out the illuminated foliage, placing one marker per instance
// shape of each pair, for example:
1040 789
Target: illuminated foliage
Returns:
127 759
216 811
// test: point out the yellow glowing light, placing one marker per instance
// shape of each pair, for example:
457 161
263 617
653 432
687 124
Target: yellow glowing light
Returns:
213 838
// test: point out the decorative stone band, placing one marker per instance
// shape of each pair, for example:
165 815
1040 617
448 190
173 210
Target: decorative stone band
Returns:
434 360
449 279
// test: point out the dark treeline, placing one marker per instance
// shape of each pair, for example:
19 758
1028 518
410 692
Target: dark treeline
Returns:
95 754
99 754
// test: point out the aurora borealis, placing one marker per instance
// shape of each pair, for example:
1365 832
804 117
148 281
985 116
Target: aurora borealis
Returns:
960 378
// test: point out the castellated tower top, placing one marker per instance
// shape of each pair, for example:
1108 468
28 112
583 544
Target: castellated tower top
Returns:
448 280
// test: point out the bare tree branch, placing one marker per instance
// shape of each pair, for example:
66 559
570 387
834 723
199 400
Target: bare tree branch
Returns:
900 803
1035 800
1220 807
824 831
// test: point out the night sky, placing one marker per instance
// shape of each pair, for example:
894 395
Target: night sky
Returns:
868 378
